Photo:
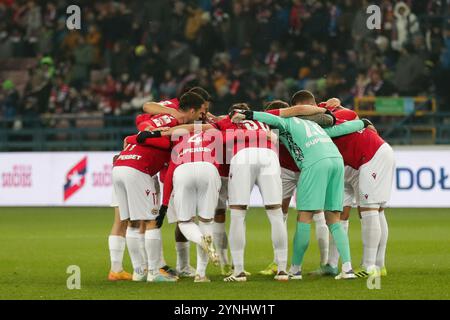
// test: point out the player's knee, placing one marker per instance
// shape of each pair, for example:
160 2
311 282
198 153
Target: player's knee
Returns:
345 215
238 207
150 225
179 236
305 216
332 217
273 207
285 205
134 224
122 227
219 217
370 207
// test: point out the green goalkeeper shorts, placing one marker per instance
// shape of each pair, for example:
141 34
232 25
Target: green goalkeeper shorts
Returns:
321 186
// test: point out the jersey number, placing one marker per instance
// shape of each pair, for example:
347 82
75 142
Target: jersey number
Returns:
129 147
252 125
196 139
313 129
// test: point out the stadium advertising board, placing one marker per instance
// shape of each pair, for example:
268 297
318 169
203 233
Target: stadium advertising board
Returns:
422 178
55 179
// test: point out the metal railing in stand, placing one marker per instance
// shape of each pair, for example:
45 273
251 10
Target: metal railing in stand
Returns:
405 120
65 133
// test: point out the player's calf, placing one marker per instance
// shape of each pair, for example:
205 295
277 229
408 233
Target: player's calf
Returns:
152 248
371 236
136 249
182 246
279 237
116 244
340 238
206 228
237 237
221 240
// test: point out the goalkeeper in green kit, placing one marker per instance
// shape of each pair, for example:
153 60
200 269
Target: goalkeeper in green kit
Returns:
321 183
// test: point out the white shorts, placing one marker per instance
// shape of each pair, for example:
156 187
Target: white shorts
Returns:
351 178
252 166
289 180
136 194
114 203
223 194
171 213
375 178
196 187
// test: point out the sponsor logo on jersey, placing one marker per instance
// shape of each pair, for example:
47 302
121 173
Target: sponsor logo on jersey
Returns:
130 157
75 178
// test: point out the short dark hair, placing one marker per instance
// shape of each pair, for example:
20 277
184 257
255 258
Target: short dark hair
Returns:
276 104
239 106
201 92
191 100
302 96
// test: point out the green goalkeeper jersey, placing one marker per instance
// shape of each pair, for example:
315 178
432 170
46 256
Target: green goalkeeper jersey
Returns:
306 141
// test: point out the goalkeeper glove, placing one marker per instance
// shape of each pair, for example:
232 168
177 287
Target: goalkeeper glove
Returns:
147 134
248 114
367 122
160 217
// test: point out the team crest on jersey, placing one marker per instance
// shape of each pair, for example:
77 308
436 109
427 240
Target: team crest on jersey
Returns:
147 192
374 175
75 178
366 196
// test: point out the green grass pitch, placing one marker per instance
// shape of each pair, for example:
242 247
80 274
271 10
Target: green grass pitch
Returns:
38 244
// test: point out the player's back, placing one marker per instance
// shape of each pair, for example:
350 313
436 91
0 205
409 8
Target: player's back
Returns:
359 147
245 134
307 142
146 159
197 147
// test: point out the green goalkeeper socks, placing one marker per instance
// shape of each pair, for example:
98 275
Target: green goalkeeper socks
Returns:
301 242
341 240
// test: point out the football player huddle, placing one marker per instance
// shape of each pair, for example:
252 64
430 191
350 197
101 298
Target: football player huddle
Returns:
207 163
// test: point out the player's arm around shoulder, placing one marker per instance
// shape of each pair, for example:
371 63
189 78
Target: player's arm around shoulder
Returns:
155 108
345 128
322 119
184 129
301 110
270 119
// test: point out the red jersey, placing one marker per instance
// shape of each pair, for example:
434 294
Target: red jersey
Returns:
161 120
286 160
246 134
359 147
195 147
144 158
157 121
172 103
163 143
